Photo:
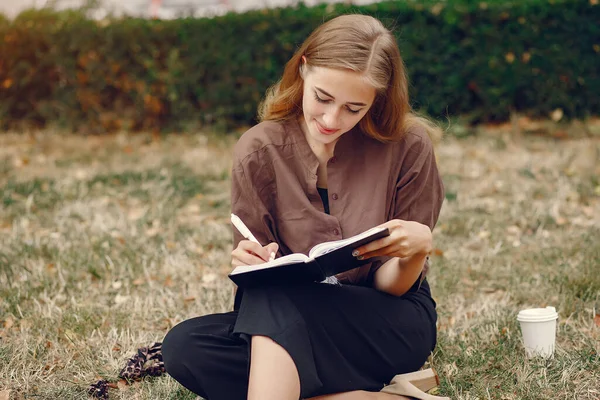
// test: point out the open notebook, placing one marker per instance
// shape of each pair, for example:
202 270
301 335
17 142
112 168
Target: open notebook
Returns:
324 260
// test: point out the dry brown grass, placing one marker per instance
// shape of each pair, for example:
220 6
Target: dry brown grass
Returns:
106 242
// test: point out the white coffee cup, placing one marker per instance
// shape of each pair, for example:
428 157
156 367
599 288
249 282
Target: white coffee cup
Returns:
539 331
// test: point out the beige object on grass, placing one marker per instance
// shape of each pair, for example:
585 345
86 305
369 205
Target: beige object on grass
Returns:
415 385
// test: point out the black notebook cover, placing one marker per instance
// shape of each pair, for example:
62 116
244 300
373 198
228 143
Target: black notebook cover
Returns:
323 266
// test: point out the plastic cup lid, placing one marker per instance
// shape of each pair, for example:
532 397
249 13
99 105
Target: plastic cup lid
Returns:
537 314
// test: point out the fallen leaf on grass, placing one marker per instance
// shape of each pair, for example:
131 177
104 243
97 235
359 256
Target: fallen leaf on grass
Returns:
136 213
489 290
588 211
22 161
152 231
561 221
209 277
139 281
168 323
121 384
468 281
513 230
597 320
8 323
5 394
121 299
25 324
484 234
48 368
5 225
474 245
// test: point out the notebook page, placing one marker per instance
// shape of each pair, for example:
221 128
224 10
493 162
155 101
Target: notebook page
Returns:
289 259
327 247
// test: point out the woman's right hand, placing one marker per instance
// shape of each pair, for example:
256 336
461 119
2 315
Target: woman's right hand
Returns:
251 253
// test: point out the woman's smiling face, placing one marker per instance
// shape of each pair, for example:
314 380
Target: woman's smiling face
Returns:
334 101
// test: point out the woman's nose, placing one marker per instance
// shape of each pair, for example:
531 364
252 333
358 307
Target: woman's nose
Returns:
331 118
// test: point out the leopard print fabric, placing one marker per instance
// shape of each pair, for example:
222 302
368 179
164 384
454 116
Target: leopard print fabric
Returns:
99 390
147 362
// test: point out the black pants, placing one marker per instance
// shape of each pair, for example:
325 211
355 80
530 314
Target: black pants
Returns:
341 338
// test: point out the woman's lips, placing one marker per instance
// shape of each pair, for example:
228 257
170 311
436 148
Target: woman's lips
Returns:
325 131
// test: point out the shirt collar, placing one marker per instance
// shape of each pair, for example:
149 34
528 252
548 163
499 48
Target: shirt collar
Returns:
345 146
309 159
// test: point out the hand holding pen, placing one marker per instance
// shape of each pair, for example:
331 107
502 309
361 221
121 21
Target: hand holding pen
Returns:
252 252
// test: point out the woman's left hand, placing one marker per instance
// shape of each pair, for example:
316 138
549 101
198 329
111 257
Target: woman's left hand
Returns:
406 239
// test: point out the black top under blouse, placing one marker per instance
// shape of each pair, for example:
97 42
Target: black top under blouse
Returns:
325 198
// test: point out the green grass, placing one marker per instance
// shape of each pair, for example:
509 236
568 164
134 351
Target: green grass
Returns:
107 242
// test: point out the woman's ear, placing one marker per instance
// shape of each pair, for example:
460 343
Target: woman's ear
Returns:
302 68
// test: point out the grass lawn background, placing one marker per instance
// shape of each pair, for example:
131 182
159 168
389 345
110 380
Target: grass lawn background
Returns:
107 242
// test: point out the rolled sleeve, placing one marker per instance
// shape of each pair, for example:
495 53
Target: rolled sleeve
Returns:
419 193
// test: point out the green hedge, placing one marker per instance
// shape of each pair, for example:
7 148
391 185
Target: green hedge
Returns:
479 60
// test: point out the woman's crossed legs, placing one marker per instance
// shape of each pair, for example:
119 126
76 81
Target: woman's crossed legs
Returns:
273 376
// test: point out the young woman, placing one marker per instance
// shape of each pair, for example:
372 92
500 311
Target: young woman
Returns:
338 151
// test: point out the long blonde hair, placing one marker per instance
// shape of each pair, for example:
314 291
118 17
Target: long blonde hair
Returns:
362 44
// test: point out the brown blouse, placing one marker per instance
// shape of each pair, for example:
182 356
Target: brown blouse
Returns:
274 188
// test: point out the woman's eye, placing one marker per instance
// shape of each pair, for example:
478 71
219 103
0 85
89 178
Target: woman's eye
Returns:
320 100
325 101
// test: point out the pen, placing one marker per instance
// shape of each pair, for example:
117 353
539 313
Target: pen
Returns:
240 226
